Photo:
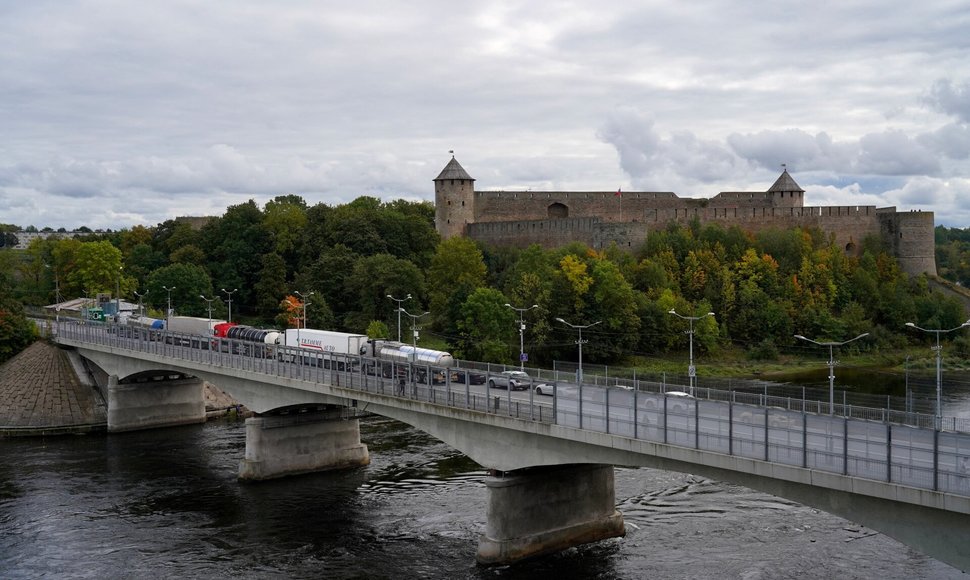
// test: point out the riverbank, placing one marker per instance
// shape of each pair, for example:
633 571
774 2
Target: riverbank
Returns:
43 394
735 362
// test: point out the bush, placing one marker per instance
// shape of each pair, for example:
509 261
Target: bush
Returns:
765 350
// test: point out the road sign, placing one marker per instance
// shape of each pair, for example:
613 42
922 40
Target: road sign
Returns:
524 357
691 371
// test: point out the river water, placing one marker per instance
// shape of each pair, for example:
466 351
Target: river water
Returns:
166 504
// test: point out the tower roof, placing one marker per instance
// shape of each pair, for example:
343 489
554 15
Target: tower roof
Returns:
785 183
453 170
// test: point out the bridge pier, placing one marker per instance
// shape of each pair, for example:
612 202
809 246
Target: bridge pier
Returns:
541 510
157 403
304 442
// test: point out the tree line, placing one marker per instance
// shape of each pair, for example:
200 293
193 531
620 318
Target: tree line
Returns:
762 288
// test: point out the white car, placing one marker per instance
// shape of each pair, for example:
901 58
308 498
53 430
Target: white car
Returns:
516 380
545 389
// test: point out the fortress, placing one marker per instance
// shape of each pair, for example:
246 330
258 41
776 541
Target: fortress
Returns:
596 218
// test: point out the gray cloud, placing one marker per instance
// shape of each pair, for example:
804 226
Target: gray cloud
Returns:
188 107
949 99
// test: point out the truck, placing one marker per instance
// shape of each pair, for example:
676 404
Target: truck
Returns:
420 358
244 339
322 347
191 331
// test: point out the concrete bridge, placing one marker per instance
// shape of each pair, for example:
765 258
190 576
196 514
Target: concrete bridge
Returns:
551 458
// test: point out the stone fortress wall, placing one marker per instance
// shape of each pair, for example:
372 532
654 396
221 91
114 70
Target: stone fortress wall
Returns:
552 219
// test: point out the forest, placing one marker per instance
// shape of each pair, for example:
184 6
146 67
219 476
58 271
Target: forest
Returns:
351 264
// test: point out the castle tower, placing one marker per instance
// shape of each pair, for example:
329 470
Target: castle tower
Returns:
454 200
785 192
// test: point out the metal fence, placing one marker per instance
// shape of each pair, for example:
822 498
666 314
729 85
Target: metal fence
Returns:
872 443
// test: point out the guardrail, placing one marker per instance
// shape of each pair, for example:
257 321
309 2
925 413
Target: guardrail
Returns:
875 444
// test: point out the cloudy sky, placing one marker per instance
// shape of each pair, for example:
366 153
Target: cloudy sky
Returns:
116 113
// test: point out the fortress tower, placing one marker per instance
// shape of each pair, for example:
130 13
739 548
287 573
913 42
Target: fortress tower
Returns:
454 200
785 192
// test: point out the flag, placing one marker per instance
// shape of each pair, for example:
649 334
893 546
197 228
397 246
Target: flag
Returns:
619 192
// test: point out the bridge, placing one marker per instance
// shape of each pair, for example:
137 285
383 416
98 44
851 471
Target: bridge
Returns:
550 457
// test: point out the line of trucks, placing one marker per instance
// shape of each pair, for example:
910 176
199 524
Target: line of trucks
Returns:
196 332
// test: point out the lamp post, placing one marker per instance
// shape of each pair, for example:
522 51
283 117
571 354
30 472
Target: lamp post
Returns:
414 332
303 297
57 293
399 309
209 302
229 293
118 296
521 312
691 369
168 311
939 366
580 328
832 362
141 306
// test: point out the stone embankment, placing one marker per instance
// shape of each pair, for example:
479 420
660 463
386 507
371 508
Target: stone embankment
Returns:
45 390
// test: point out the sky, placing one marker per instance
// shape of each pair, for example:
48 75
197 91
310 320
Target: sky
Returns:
116 113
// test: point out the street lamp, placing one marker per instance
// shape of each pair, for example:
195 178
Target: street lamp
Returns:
691 369
579 371
832 362
521 312
141 306
414 332
399 301
229 293
939 366
118 296
304 298
168 312
209 302
57 293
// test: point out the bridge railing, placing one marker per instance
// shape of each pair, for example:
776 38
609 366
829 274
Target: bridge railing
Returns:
875 444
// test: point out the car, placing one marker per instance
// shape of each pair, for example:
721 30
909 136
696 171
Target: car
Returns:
515 380
458 376
678 400
545 389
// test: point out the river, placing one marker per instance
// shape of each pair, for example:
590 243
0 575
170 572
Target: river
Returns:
166 504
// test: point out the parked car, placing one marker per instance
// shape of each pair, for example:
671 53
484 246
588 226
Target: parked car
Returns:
515 380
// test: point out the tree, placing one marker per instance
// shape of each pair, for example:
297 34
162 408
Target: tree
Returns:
373 278
271 285
486 326
457 263
188 281
98 268
285 219
17 332
234 246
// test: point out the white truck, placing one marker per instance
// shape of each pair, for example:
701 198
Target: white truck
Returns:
321 343
188 329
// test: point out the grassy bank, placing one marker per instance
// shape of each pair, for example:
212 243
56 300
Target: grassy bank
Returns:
735 363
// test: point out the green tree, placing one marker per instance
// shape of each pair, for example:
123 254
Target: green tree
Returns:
457 264
98 268
234 246
285 218
17 332
188 283
373 278
486 327
271 286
